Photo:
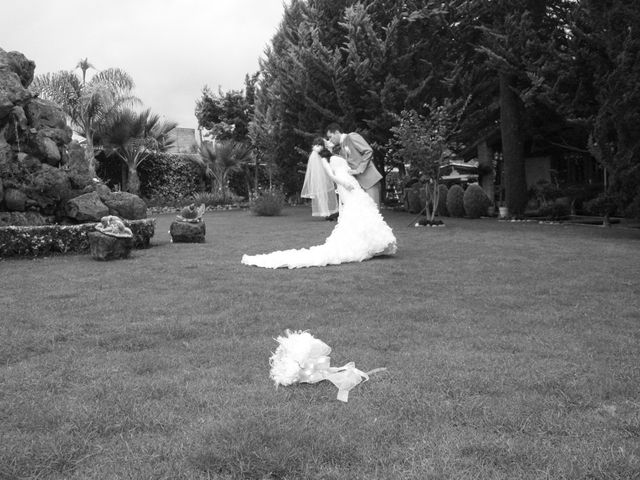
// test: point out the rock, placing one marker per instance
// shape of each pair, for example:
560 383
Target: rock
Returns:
49 187
45 114
48 151
29 162
106 247
185 232
86 208
12 93
21 66
15 200
125 205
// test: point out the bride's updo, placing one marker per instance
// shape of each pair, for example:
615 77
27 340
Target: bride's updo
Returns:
323 151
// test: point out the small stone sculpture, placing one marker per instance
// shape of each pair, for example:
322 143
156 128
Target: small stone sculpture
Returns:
112 240
191 214
113 226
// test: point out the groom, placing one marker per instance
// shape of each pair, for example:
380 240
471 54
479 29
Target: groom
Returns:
359 156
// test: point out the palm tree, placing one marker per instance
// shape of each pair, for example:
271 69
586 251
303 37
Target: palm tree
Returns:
218 160
132 137
87 104
84 65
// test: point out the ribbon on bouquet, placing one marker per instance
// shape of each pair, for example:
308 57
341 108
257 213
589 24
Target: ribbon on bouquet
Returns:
302 358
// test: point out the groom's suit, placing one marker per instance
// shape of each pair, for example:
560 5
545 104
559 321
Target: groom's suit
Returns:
359 156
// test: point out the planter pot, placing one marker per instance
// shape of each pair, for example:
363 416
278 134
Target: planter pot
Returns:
503 212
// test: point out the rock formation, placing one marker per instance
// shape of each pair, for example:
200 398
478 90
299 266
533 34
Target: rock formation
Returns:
42 171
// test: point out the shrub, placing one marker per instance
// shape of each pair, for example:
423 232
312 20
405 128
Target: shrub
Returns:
169 175
268 204
455 201
555 210
51 239
441 208
475 201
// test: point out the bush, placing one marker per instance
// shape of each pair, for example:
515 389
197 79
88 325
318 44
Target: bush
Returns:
169 175
441 209
555 211
475 201
455 201
268 204
51 239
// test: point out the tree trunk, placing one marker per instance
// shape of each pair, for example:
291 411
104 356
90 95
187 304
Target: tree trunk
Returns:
90 157
133 185
512 146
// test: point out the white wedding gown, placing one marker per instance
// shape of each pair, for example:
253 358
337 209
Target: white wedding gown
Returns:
360 233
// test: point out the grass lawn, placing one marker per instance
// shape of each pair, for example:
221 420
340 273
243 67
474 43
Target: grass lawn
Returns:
512 352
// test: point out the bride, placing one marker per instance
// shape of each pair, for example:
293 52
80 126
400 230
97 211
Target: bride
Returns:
360 233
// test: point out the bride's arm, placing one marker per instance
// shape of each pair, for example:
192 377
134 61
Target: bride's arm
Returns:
332 176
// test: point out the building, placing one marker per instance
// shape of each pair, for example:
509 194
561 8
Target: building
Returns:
184 140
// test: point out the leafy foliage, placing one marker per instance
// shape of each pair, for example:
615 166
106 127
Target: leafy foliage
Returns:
475 201
268 204
87 104
133 137
168 175
425 144
455 201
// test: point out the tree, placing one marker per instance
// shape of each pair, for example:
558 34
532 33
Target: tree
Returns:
427 143
606 44
225 114
87 104
219 160
84 65
132 137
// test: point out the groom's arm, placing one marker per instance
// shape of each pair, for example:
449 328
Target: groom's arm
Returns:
360 153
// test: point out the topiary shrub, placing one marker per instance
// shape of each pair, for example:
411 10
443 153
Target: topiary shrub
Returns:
441 208
169 175
455 201
268 204
475 201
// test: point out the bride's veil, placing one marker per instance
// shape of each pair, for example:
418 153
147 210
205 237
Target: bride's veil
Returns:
319 187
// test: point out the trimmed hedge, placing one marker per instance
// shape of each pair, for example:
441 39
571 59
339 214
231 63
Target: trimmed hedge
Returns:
455 201
476 202
53 239
174 175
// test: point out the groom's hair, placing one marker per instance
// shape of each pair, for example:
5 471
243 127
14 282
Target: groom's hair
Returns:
333 127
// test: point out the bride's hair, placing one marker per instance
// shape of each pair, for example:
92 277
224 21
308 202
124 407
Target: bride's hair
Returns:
319 141
325 153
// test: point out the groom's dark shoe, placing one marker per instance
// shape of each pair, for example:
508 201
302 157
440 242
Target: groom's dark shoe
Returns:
332 218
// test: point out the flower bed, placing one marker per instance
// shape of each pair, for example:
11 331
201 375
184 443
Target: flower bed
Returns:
50 239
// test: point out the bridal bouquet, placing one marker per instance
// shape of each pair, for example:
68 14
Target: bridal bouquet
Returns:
302 358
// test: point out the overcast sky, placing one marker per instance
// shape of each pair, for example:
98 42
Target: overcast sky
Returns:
171 48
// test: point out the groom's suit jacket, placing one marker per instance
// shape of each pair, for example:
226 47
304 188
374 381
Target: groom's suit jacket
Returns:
359 156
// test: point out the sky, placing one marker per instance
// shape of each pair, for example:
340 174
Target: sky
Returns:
171 48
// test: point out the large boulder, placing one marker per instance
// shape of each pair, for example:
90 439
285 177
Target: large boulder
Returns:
187 232
106 247
15 200
48 186
12 93
20 65
124 205
86 208
45 114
